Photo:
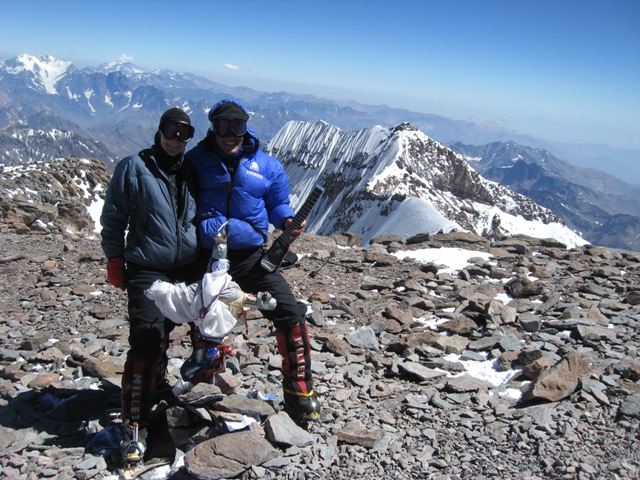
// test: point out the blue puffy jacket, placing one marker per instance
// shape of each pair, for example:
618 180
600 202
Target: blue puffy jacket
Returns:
257 195
160 216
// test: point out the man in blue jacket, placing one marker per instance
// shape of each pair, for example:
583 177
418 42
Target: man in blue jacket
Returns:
149 233
242 191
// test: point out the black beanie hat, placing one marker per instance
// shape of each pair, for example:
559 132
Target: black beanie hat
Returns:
176 115
228 109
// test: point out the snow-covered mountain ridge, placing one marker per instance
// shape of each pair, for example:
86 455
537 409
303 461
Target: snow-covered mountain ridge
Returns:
399 181
43 72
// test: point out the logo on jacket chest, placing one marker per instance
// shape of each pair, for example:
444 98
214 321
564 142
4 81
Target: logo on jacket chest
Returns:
254 170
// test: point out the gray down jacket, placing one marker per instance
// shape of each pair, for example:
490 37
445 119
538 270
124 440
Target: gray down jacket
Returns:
157 215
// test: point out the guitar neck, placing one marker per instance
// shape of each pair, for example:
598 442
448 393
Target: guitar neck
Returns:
302 214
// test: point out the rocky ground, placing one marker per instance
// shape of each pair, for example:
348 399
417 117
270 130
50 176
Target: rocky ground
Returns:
397 350
395 343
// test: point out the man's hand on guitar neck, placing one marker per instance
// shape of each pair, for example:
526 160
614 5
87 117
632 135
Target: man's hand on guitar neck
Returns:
297 232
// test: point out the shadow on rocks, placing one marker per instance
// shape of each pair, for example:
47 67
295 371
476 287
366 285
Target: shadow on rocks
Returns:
56 416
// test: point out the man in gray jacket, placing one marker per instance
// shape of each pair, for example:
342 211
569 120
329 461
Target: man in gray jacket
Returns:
151 199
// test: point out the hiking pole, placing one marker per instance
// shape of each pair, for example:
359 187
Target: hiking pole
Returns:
328 261
317 270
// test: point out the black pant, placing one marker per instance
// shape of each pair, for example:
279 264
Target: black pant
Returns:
246 271
292 335
148 327
146 364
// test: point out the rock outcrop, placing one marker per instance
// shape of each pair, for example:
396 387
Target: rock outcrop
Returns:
52 197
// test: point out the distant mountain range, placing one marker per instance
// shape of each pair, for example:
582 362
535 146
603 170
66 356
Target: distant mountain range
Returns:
118 104
605 210
51 109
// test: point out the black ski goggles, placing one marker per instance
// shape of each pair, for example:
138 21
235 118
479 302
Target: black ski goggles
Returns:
182 131
225 127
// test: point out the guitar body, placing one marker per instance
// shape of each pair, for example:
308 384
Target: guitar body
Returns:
274 256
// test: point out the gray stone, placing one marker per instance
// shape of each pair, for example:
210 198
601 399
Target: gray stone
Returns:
281 430
245 406
420 372
630 407
228 455
363 337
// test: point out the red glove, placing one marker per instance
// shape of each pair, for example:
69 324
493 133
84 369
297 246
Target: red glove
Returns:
117 272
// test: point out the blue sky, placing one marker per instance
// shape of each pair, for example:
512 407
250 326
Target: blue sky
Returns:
559 69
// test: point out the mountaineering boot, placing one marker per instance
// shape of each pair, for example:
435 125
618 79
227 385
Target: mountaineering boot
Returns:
132 445
304 406
295 348
206 360
136 461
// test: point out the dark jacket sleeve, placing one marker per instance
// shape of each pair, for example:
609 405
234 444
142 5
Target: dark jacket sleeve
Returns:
117 208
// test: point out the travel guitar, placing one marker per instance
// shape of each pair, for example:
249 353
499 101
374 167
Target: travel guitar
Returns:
276 253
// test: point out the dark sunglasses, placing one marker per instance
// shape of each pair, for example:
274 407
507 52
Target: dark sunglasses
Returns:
225 127
182 131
